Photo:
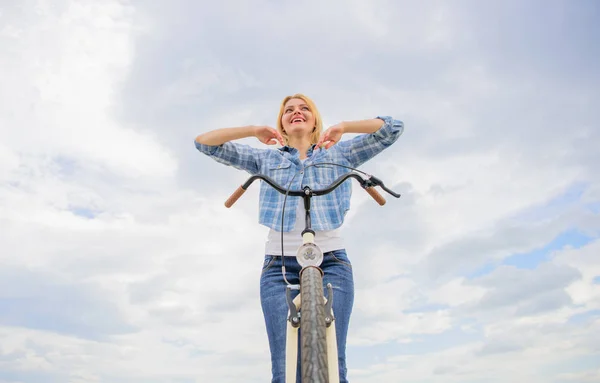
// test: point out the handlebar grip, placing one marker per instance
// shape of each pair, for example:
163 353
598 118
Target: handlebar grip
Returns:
375 194
234 196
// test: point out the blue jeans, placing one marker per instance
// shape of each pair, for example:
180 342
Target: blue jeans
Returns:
337 270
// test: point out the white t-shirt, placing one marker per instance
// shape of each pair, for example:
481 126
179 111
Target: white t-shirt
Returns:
327 240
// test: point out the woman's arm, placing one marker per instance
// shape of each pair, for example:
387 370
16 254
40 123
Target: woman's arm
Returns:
223 135
334 134
216 144
379 133
362 126
265 134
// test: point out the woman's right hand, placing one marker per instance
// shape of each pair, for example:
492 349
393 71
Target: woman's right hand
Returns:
268 135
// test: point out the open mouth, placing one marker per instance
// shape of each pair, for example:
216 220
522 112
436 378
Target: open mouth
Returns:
297 120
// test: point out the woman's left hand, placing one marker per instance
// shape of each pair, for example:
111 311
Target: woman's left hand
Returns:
331 136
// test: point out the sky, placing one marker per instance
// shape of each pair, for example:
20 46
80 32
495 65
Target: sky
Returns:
120 264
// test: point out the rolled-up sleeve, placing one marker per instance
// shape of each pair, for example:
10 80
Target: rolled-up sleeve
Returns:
362 148
240 156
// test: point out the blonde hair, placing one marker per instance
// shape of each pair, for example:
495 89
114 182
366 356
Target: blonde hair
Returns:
316 134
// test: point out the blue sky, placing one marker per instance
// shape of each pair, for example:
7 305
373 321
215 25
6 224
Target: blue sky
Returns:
532 259
120 263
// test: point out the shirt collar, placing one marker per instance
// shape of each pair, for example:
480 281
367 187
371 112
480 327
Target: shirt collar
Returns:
294 151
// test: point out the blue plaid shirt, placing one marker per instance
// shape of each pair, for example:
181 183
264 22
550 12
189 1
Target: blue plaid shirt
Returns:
328 211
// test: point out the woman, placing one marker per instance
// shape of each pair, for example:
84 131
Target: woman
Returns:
299 131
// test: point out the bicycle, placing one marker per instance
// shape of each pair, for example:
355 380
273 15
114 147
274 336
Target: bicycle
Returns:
311 310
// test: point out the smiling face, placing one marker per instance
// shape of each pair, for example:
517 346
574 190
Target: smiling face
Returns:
299 118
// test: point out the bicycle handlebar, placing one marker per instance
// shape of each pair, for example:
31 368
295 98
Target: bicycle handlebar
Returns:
367 184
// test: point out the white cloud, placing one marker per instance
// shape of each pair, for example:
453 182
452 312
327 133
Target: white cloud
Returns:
592 375
584 291
457 292
65 62
111 226
400 328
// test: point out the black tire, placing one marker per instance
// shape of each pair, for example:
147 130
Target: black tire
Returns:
312 328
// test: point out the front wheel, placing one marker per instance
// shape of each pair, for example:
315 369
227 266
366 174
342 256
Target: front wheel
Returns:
312 327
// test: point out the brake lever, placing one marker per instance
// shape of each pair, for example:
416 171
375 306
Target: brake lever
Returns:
377 182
